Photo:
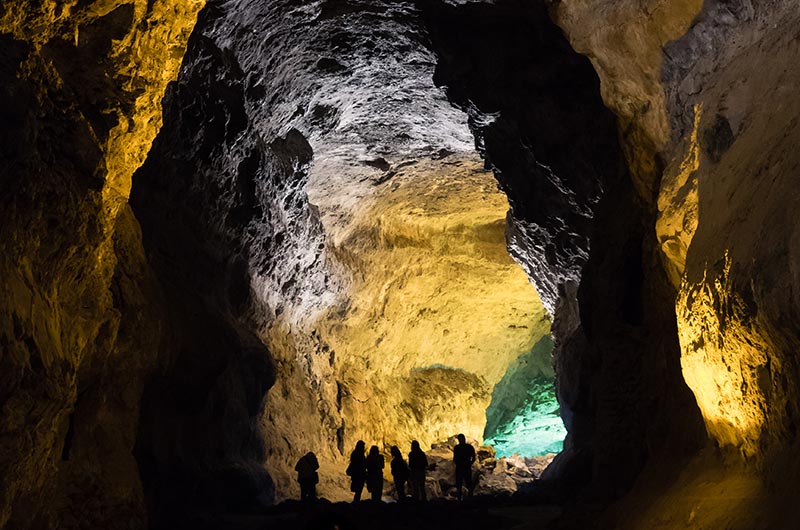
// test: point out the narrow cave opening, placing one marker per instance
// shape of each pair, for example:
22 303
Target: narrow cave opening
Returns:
524 417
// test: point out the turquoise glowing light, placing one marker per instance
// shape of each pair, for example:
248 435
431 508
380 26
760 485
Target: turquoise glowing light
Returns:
523 417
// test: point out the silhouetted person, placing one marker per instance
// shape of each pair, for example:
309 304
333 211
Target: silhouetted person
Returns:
375 466
417 464
357 470
307 476
463 457
399 472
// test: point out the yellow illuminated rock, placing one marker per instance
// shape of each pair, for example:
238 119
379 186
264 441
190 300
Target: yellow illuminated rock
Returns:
723 360
146 41
626 51
138 45
92 75
436 311
677 207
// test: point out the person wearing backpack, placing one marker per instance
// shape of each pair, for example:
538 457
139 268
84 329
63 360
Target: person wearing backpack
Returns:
307 476
357 470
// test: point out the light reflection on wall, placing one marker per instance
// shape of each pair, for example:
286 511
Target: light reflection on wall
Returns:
722 354
723 358
438 309
524 416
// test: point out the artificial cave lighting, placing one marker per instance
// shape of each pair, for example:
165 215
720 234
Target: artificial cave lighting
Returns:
724 361
241 231
524 417
440 314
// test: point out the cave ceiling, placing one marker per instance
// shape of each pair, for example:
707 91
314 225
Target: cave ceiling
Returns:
239 230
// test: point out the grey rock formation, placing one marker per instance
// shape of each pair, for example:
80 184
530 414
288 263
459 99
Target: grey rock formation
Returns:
576 225
651 176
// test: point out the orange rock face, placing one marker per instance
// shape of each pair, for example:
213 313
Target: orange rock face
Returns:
82 85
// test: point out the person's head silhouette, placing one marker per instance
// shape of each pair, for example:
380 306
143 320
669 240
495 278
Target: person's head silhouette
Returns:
361 446
415 446
395 452
373 450
461 439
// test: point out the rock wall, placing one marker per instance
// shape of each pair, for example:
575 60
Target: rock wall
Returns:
220 200
81 85
316 192
719 123
579 227
686 81
437 311
660 238
725 244
737 308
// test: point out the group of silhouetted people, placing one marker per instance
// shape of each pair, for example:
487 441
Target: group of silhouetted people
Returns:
368 469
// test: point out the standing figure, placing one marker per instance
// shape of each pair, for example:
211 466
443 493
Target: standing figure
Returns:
463 457
375 473
357 470
307 476
417 464
399 473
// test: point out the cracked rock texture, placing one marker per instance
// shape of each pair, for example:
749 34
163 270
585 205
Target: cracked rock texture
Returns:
315 181
79 106
737 307
722 128
348 231
579 228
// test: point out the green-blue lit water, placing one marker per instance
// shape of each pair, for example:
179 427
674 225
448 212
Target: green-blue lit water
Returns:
523 417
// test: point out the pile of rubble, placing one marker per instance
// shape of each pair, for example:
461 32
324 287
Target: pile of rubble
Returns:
490 475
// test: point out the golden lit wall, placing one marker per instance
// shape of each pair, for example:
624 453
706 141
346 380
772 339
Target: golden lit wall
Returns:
438 308
727 241
88 95
432 313
724 358
723 353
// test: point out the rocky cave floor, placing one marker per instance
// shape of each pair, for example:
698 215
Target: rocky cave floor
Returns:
533 510
507 495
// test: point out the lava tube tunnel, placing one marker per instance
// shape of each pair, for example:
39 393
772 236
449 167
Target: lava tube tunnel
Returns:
233 232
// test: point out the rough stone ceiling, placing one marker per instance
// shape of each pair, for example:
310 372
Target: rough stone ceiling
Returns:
417 228
258 203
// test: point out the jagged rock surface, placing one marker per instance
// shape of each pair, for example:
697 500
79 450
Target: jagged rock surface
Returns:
331 221
280 144
79 105
719 121
579 228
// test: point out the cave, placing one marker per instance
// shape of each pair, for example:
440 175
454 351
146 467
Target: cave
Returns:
234 231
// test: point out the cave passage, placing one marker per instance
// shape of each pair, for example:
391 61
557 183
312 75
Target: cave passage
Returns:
443 333
361 253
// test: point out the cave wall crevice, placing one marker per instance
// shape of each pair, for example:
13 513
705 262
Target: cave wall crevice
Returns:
717 74
737 305
80 105
579 227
